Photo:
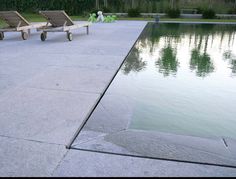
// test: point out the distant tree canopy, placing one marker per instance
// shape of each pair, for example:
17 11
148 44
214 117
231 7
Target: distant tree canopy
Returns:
76 7
72 7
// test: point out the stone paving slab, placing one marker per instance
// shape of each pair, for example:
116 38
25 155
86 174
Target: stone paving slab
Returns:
14 73
47 89
45 115
28 158
105 62
84 164
72 79
43 76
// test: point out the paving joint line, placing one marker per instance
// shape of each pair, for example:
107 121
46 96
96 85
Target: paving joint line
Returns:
59 163
31 140
62 90
155 158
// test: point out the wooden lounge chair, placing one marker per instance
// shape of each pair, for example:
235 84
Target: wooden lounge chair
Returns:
59 21
16 23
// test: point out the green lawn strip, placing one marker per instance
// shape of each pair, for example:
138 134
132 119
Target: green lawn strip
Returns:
40 18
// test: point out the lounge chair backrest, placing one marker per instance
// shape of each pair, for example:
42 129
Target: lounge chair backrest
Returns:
13 19
57 18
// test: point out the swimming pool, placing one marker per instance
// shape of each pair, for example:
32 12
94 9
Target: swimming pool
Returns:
182 78
174 97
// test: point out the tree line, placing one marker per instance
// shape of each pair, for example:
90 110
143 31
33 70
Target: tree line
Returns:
77 7
72 7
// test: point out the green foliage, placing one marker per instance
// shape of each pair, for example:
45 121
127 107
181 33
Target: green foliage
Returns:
173 13
134 12
95 11
114 17
82 7
208 14
110 19
106 10
199 10
72 7
232 11
92 17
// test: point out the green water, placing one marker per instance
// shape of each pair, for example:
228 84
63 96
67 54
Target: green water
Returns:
182 79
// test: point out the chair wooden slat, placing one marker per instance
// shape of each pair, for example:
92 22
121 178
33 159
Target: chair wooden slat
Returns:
57 18
12 18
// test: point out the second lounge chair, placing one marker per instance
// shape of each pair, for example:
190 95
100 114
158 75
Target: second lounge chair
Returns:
59 21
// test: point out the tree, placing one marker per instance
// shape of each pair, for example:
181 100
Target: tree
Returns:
174 4
132 4
210 4
97 4
105 3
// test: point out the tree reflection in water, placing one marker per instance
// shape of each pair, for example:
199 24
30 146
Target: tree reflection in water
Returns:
231 58
201 63
169 37
134 62
168 63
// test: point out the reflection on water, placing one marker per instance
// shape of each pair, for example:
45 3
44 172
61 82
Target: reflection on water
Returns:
181 79
233 66
167 62
231 58
135 62
175 44
201 63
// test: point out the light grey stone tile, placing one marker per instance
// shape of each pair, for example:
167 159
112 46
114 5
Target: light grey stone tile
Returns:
74 79
112 114
44 115
85 164
27 158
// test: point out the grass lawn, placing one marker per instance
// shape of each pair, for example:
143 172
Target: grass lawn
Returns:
39 18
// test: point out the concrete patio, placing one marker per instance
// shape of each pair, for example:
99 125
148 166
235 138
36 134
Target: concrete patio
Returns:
46 91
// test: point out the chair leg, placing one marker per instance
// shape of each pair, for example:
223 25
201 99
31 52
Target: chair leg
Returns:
87 30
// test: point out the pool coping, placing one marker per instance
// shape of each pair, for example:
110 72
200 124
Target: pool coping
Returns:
70 146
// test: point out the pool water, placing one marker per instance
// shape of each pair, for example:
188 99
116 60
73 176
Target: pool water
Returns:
182 79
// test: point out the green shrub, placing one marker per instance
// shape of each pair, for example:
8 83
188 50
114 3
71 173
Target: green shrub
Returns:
208 14
95 11
106 10
173 13
199 10
92 18
134 12
232 11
